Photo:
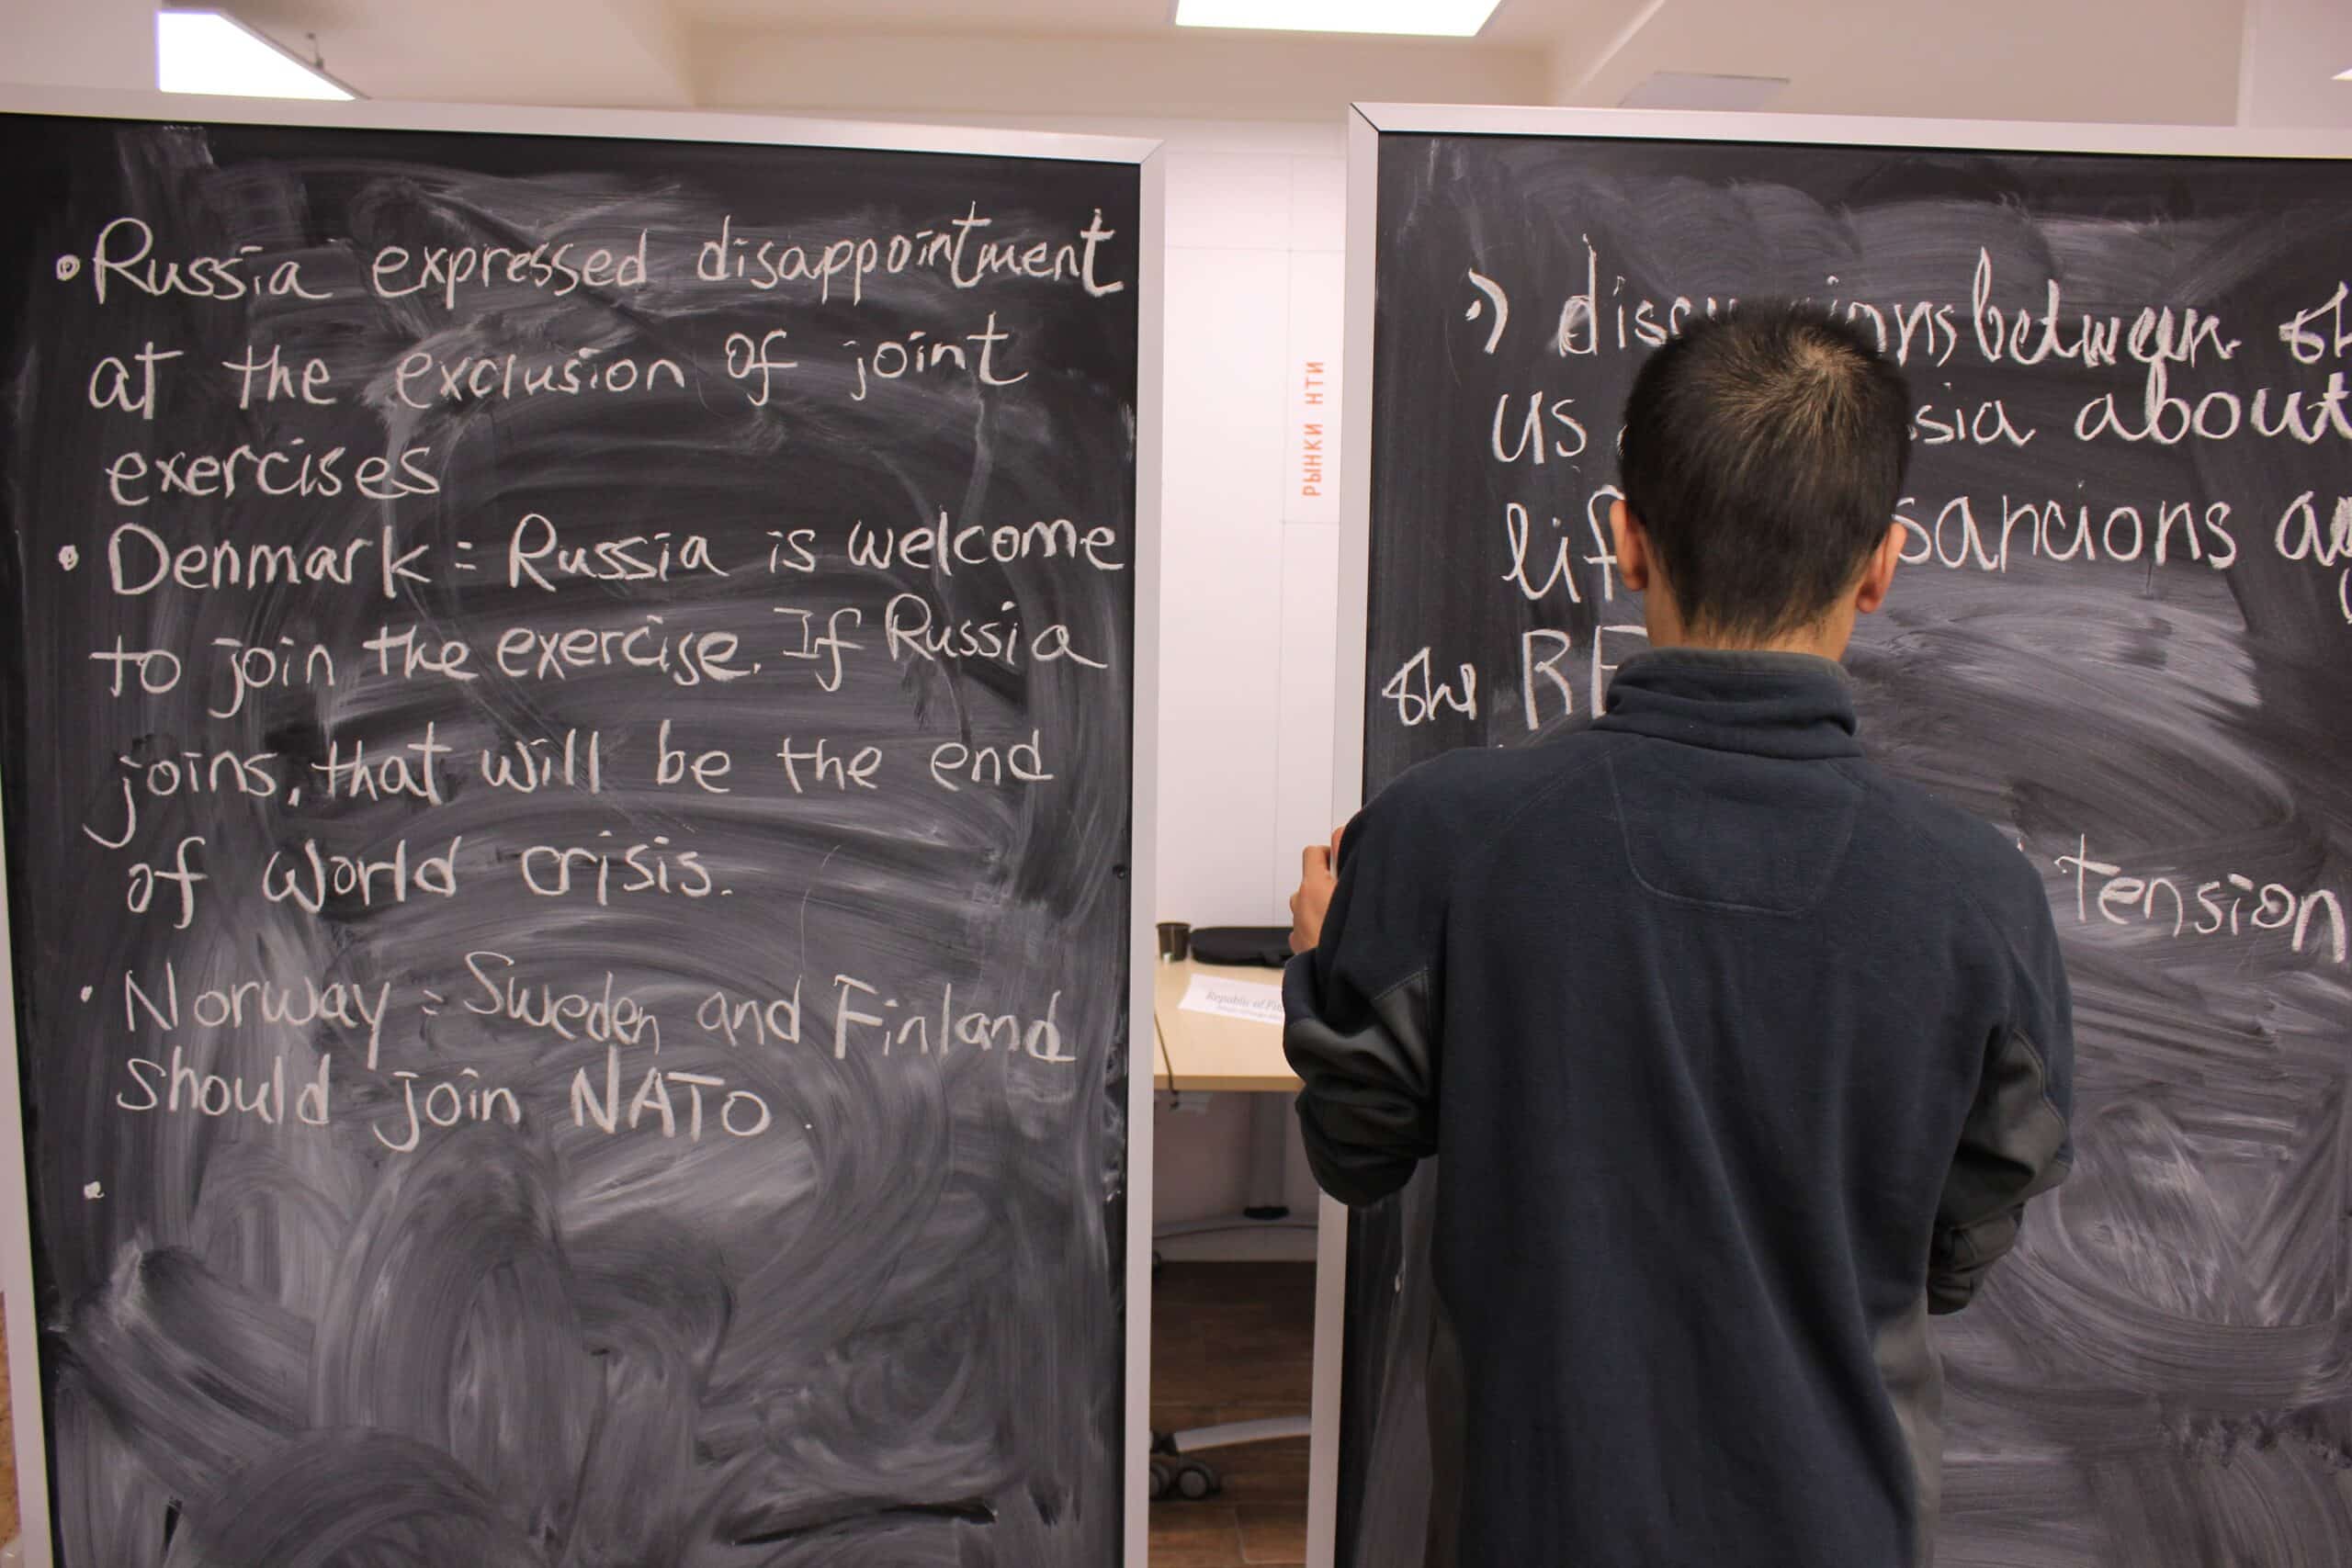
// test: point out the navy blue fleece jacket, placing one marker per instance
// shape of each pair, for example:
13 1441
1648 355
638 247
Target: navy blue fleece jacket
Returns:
1741 1058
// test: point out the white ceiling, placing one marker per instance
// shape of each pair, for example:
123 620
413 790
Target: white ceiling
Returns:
2115 60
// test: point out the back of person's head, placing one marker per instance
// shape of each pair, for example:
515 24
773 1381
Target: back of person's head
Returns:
1764 451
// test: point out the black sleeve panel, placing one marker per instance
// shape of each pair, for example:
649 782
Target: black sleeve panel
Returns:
1369 1109
1362 1010
2015 1143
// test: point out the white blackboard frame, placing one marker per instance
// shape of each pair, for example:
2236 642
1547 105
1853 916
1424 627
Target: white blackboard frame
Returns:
1367 123
15 1229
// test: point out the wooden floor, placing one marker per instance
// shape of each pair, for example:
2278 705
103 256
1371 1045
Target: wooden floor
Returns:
1234 1342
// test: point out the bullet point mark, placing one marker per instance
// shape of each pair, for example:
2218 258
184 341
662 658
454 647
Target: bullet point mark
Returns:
94 1190
69 558
88 992
67 266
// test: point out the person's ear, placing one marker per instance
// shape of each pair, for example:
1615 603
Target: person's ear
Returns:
1878 572
1631 543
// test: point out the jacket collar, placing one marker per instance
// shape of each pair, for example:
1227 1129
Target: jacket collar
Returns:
1770 705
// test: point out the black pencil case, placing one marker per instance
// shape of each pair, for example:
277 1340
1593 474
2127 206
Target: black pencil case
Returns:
1266 946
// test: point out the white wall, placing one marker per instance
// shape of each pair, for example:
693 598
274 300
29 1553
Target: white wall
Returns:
1250 604
1249 594
2293 50
2171 62
1199 1168
92 43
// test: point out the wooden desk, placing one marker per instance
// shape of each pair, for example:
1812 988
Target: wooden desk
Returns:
1209 1051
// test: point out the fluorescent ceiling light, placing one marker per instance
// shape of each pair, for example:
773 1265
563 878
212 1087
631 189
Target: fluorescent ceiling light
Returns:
204 52
1419 19
2344 76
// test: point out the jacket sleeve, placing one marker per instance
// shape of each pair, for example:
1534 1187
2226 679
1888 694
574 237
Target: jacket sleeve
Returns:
2015 1143
1361 1011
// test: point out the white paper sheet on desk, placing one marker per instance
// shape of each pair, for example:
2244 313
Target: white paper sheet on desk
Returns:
1234 998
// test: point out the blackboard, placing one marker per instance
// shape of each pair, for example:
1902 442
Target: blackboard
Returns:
2122 635
570 734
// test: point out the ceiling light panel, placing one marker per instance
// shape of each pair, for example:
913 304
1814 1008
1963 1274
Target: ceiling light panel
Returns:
204 52
1414 18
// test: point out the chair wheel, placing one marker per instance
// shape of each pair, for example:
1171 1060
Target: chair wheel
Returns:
1196 1480
1161 1480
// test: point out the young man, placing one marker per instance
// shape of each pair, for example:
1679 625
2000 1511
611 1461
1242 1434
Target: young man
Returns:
1742 1057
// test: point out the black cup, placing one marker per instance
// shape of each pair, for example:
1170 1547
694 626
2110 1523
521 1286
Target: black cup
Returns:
1175 941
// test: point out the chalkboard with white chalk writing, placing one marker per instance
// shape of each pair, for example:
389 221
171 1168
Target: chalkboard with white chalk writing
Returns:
2122 633
569 733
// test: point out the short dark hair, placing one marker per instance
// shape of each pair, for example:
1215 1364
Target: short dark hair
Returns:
1764 451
